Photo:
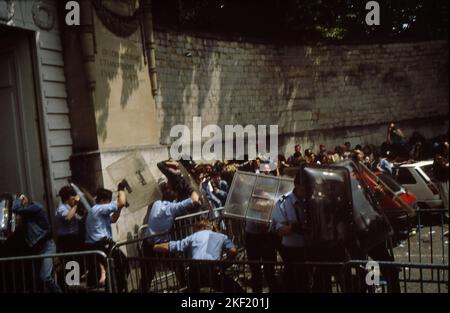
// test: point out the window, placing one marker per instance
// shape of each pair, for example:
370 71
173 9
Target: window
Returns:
428 169
405 177
390 182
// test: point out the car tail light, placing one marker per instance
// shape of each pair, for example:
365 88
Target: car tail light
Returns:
433 188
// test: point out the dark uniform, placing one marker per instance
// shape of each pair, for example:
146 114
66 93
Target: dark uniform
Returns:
285 213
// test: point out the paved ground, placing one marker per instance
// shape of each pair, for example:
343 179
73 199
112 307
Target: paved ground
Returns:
427 245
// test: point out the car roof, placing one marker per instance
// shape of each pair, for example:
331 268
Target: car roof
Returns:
419 164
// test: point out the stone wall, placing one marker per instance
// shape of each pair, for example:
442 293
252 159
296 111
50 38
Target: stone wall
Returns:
316 94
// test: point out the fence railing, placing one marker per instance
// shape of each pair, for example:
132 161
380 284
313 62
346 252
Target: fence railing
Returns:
424 238
421 264
169 275
60 272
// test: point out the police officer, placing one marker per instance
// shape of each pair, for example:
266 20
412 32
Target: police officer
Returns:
98 227
164 212
160 221
68 221
205 244
287 218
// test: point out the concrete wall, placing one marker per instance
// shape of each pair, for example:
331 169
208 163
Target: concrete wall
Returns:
317 94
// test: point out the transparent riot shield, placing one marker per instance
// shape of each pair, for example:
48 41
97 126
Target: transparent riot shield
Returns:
252 197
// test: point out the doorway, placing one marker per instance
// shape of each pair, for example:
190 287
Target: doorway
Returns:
21 166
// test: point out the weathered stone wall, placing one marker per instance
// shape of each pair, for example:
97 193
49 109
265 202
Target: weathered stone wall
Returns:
316 94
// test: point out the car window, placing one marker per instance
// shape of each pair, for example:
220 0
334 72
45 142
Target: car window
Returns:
428 169
390 182
405 177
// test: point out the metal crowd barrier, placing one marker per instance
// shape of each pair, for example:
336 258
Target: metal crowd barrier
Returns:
421 260
421 239
171 275
184 226
424 238
22 274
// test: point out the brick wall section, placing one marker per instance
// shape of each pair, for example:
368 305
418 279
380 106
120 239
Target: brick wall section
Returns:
315 94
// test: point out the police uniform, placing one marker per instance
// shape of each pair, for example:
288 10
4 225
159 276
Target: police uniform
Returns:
162 217
160 220
68 232
288 211
260 245
99 236
207 245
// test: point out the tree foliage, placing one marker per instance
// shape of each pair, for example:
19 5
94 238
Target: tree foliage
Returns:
303 21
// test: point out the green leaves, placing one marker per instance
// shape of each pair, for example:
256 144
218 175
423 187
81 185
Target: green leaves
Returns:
306 21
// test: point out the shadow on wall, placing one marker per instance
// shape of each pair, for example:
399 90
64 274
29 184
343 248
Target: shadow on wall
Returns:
117 62
224 87
307 91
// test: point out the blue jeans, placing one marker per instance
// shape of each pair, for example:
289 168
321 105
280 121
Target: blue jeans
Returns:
46 266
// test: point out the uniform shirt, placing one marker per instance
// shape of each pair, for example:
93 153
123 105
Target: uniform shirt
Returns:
203 245
162 216
284 215
63 226
98 222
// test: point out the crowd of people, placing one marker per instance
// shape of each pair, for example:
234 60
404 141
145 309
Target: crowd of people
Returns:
78 228
395 151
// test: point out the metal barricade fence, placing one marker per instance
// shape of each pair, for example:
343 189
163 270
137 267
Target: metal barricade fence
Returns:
420 239
424 238
184 226
74 272
171 275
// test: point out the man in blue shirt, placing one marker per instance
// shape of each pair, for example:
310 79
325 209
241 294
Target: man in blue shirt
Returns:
68 228
164 212
205 244
287 218
68 221
38 237
160 221
220 187
98 226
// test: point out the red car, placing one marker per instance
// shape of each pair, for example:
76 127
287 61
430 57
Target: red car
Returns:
400 220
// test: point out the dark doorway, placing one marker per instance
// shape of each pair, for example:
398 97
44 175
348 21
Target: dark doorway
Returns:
21 167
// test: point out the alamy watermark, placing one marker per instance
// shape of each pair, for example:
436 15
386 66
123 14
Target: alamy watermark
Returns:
73 13
373 274
73 273
231 142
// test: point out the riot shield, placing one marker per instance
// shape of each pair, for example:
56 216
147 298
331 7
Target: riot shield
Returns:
328 213
371 226
7 218
252 197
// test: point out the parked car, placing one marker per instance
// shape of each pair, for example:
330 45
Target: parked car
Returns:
399 219
418 179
